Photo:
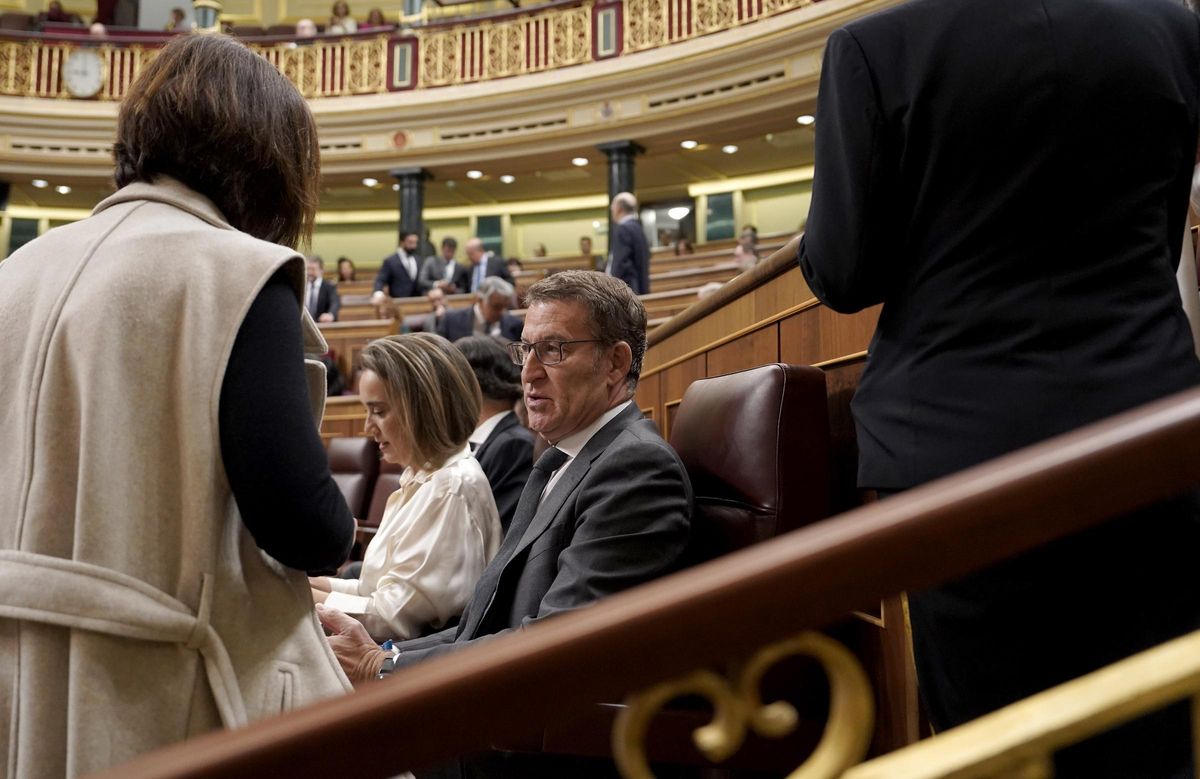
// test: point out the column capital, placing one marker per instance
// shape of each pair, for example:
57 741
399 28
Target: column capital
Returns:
621 149
418 174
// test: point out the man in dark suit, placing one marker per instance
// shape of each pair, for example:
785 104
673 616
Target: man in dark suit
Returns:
501 444
444 272
398 276
487 316
608 505
1022 239
320 297
629 253
483 264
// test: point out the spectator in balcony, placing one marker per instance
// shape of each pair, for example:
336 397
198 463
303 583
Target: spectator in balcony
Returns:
514 266
306 28
178 21
340 21
683 247
487 316
629 255
97 30
539 250
54 13
443 272
376 19
440 528
179 503
346 270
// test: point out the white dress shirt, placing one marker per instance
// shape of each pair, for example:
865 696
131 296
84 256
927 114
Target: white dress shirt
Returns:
410 262
485 429
439 530
573 444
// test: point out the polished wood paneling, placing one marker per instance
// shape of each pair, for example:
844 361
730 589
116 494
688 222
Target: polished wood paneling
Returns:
344 418
647 399
347 339
759 347
675 381
818 334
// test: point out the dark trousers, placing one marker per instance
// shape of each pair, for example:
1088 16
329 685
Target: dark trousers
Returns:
1059 612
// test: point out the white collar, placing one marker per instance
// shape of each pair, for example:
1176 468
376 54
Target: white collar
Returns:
626 218
573 444
486 427
425 473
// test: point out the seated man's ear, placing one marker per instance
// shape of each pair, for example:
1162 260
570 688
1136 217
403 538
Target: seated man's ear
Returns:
619 358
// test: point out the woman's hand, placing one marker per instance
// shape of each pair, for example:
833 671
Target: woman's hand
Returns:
320 584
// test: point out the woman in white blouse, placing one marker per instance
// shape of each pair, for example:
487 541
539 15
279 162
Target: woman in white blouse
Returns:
440 528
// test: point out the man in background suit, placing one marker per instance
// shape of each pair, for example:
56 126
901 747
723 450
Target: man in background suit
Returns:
501 444
397 276
444 272
320 297
483 264
488 316
1023 240
629 253
607 506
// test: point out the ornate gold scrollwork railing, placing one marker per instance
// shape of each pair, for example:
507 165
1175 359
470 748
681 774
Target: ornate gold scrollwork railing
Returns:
739 707
506 47
349 66
653 23
331 68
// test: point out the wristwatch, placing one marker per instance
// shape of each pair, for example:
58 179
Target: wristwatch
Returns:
388 666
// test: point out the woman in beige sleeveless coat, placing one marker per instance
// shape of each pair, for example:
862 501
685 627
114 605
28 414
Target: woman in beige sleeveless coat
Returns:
138 604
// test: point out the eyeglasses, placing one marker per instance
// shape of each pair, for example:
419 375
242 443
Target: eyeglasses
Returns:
548 352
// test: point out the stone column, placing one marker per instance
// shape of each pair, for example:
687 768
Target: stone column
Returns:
620 171
412 199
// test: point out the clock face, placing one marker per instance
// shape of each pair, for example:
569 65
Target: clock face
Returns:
83 73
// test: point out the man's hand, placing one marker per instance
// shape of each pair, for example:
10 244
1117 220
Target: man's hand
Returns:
359 655
326 317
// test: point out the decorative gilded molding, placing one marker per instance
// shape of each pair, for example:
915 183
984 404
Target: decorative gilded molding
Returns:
738 707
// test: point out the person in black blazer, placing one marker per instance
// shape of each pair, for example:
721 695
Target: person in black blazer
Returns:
607 507
482 265
398 276
320 297
487 316
501 444
1010 181
629 253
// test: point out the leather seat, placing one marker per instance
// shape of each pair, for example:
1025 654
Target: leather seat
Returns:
387 482
355 466
756 447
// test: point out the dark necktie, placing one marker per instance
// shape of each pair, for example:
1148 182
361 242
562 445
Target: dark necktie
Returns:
485 590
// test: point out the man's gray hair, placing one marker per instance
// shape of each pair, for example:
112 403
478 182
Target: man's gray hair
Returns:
494 285
626 203
615 313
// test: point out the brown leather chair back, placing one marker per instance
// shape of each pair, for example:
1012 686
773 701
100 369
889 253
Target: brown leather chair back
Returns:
355 465
756 446
387 483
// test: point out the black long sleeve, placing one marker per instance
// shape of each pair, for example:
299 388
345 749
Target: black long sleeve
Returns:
274 460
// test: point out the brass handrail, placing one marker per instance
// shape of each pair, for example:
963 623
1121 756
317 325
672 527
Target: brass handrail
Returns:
502 688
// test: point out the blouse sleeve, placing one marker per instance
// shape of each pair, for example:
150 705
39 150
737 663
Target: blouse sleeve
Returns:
434 557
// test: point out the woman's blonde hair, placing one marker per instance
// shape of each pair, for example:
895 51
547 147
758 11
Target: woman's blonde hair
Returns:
432 389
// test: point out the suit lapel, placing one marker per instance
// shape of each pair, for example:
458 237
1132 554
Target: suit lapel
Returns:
504 424
575 472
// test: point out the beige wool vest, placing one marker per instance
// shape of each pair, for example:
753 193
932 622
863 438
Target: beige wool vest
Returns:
135 608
